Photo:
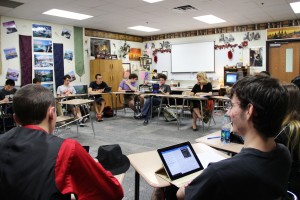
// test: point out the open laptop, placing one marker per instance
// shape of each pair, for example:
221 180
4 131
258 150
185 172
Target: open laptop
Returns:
81 89
107 90
180 164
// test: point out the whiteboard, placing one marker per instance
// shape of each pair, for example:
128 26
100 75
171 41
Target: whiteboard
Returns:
193 57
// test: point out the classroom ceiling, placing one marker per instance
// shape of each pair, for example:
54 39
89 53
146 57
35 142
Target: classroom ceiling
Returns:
118 15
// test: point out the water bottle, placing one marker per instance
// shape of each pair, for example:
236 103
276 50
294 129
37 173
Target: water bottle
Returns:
225 131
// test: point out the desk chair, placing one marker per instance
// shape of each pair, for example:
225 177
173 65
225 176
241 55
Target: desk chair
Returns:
6 117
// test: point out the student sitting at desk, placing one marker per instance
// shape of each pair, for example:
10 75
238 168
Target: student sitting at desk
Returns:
130 84
6 94
99 85
202 86
164 89
65 90
37 80
261 170
37 165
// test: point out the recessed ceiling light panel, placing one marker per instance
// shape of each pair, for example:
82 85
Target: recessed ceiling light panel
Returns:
143 28
296 7
67 14
210 19
152 1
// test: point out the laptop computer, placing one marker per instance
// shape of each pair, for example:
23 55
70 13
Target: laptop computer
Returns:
107 89
180 164
81 89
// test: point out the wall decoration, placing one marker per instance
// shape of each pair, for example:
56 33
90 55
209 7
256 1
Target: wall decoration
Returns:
143 75
12 74
126 70
10 27
252 36
292 32
42 31
149 61
135 54
49 86
72 74
66 33
46 75
99 46
42 46
43 60
124 50
10 53
226 38
256 57
68 55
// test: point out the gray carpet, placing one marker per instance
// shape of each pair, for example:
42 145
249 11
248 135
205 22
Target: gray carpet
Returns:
134 137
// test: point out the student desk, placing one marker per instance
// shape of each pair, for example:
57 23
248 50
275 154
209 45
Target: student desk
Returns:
147 163
76 103
124 93
214 140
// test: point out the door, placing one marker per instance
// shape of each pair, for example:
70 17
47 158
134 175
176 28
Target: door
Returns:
284 61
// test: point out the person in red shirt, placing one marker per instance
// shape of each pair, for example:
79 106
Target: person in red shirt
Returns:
34 164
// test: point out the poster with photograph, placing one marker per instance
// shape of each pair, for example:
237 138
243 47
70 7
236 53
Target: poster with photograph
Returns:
256 57
46 75
49 86
12 74
10 27
143 75
126 70
42 46
99 46
66 33
10 53
42 31
68 55
72 74
135 54
43 60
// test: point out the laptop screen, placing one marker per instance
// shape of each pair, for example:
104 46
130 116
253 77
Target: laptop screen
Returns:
179 160
81 89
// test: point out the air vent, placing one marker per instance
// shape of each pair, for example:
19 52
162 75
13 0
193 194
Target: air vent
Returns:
10 4
185 9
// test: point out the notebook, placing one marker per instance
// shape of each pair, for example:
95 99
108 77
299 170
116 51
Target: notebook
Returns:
180 164
107 89
81 89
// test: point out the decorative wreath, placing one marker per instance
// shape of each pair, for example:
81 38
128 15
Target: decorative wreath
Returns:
229 54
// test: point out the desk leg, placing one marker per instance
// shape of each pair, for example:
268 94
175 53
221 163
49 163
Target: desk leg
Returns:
137 186
112 105
161 100
201 106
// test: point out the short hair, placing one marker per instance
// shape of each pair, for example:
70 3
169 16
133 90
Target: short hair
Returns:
296 81
36 80
269 100
97 75
10 82
131 76
203 76
163 76
264 73
31 103
67 76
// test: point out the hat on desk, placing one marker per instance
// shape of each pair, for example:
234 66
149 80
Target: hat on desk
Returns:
112 159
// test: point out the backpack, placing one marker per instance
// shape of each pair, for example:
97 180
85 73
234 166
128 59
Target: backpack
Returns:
108 111
169 115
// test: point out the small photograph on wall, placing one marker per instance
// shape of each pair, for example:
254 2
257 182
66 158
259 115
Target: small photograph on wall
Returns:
72 74
66 33
12 74
68 55
48 86
143 75
256 57
43 60
44 75
10 27
42 31
134 54
10 53
42 46
126 70
99 46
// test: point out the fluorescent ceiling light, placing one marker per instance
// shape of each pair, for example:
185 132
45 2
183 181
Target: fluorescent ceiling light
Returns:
143 28
296 7
210 19
152 1
67 14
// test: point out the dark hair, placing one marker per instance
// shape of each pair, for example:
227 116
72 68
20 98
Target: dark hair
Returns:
264 73
31 103
296 81
67 76
10 82
163 76
36 80
131 76
97 75
269 100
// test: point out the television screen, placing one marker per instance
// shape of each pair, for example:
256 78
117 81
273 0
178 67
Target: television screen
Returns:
230 79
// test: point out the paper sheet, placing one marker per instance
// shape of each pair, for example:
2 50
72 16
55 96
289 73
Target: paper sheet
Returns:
208 157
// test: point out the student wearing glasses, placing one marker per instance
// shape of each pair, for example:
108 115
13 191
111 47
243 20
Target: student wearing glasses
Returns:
261 170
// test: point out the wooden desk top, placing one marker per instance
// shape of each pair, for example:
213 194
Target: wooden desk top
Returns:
216 143
220 98
70 96
77 101
147 167
99 93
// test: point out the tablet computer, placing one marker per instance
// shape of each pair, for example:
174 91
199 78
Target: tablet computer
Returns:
180 160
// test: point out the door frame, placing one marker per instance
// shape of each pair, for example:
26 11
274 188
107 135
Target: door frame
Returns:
268 42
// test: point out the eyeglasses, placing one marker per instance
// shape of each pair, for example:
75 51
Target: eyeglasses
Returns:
229 105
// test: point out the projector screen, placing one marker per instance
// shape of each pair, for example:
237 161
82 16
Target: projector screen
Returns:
193 57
